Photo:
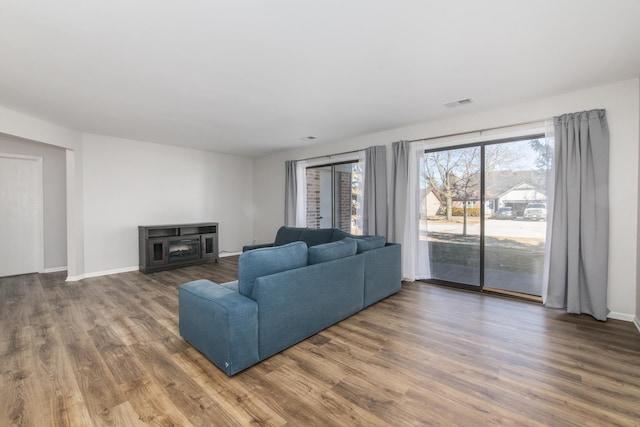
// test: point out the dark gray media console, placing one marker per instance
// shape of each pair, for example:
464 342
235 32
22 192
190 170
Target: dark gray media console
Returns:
169 246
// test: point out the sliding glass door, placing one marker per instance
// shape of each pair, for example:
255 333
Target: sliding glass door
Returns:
334 197
450 213
483 214
514 247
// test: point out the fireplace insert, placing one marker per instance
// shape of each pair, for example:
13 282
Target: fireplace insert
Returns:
184 250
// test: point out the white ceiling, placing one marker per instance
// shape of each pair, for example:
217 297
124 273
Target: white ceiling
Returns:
253 76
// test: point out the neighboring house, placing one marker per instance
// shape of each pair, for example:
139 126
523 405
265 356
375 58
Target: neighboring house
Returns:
500 192
472 202
515 189
430 204
519 196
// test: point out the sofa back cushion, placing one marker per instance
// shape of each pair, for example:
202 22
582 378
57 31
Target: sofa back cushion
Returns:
311 236
287 235
366 243
316 236
266 261
339 235
334 250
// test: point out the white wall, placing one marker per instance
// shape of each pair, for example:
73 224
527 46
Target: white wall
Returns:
621 100
637 318
55 198
217 187
75 214
24 126
130 183
27 127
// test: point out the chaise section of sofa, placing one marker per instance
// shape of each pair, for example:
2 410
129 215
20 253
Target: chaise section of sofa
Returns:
220 323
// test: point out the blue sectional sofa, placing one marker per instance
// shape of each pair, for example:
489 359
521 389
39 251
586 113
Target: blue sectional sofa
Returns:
283 295
310 236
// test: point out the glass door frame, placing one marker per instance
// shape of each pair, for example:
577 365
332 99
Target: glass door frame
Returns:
481 286
333 184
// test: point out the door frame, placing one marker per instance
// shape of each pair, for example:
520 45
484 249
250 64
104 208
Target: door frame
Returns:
40 210
332 172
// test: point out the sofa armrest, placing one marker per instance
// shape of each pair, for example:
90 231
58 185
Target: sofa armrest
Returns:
382 273
252 247
220 323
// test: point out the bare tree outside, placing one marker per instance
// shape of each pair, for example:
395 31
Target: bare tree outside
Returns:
468 185
544 153
503 157
454 175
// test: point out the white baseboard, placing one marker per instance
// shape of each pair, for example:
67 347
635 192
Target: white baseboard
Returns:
636 322
55 269
126 269
226 254
101 273
621 316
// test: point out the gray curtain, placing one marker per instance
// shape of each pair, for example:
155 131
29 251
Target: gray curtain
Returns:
399 187
579 247
290 193
375 191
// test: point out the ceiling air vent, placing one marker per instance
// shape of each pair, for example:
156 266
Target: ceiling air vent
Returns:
459 102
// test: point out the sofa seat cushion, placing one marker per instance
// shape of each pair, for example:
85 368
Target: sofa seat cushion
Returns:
266 261
232 286
334 250
367 243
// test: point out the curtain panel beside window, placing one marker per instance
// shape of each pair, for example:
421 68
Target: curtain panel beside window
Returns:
295 193
290 192
579 247
405 222
375 191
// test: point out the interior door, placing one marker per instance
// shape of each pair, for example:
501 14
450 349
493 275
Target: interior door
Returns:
21 215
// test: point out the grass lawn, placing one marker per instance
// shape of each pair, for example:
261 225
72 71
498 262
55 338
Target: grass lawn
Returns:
510 263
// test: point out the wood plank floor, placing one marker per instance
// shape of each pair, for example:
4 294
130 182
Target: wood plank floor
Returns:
106 351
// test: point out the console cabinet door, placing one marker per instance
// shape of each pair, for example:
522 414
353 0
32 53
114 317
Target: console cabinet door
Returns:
157 252
209 247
